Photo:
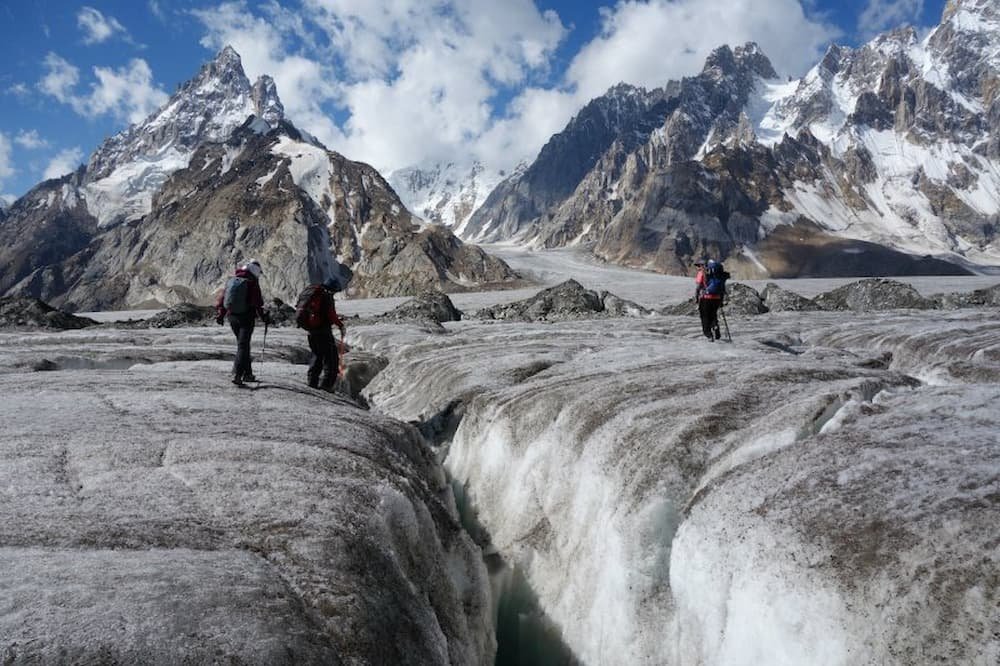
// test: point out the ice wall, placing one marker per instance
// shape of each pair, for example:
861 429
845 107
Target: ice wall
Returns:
618 464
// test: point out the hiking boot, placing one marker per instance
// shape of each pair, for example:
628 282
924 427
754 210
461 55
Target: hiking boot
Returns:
718 333
249 378
238 381
313 382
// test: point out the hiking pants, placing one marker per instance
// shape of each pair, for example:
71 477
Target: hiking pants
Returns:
325 360
708 309
242 326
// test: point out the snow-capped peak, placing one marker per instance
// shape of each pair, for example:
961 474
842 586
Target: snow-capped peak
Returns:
125 172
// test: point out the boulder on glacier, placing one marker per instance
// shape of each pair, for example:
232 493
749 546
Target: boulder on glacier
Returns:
26 312
567 300
182 314
777 299
157 515
874 294
978 298
430 305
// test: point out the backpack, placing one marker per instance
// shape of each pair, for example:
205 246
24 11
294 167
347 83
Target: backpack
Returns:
715 280
310 308
237 297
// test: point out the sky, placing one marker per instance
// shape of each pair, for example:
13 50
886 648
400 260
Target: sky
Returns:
394 83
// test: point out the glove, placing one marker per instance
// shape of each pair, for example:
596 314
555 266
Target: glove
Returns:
266 318
342 331
220 319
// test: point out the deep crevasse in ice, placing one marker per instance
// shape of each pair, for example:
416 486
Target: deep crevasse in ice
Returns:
622 465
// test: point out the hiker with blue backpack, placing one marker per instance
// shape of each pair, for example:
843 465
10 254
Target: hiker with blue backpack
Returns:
242 302
710 294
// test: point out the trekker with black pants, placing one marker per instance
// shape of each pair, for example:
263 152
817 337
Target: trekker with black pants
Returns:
242 301
710 291
316 312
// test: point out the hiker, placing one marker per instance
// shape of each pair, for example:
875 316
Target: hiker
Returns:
710 293
242 301
316 313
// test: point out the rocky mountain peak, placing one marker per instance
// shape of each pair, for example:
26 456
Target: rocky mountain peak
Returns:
206 108
744 60
983 8
266 101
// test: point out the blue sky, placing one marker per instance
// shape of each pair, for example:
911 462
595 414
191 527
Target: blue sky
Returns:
392 82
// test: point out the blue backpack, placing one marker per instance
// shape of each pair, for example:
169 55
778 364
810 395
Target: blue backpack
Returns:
237 297
715 279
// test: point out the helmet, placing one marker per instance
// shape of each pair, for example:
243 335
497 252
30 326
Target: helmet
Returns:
253 267
711 263
332 284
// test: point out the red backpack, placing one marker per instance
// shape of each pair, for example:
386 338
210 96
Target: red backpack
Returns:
311 308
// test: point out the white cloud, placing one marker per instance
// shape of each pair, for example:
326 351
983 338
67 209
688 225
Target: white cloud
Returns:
19 90
61 78
31 140
649 43
881 15
6 163
64 162
127 92
420 80
156 10
97 27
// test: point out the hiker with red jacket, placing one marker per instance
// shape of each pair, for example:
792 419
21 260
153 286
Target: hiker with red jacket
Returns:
316 312
710 292
242 301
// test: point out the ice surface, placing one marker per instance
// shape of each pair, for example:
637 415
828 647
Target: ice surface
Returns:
160 515
778 500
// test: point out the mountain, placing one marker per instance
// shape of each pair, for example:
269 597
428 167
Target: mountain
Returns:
882 159
445 193
165 209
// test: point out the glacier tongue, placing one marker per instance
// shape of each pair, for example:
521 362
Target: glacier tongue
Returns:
672 501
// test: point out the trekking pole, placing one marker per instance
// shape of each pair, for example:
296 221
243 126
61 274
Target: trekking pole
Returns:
729 338
264 348
340 356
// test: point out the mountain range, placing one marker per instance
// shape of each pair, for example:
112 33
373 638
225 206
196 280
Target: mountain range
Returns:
164 210
884 159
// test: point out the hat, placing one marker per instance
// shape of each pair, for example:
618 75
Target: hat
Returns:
253 266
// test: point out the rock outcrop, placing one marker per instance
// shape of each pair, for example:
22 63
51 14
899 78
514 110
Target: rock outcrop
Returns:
872 295
569 300
20 312
429 305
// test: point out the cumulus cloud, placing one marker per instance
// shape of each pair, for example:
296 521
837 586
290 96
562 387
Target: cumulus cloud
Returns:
880 15
417 81
63 163
61 78
6 164
127 92
31 140
97 27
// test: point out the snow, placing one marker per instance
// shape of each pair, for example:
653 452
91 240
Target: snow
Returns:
127 192
310 168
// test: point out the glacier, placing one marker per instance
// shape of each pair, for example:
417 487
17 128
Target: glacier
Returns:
824 490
